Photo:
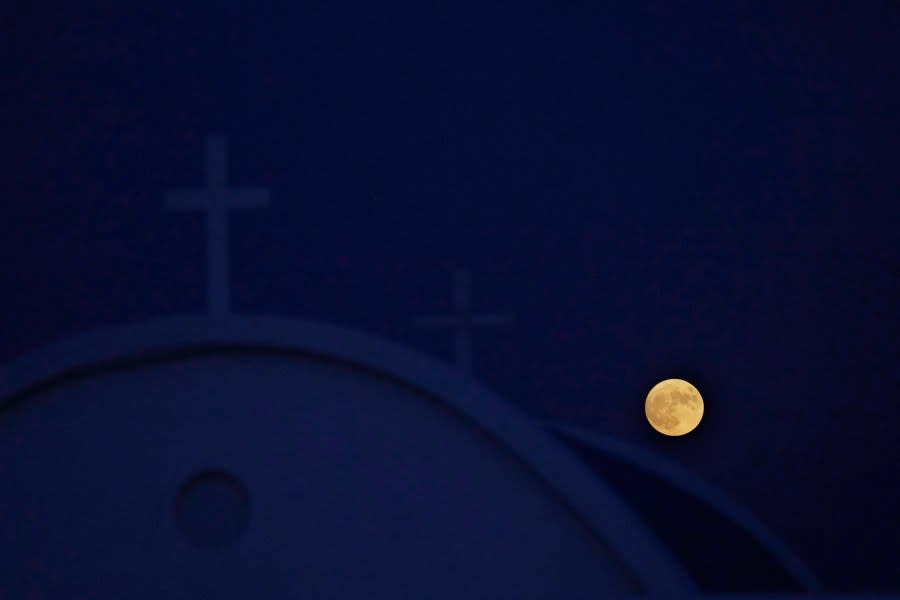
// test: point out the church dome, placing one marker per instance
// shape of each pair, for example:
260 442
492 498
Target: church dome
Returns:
259 457
723 546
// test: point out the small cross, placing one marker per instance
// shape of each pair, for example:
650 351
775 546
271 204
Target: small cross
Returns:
216 199
463 321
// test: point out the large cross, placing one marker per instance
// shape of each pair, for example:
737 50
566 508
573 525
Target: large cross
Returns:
463 321
216 199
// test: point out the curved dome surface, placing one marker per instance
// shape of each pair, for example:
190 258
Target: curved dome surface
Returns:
190 457
724 547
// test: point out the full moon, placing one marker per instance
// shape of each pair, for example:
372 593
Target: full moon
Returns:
674 407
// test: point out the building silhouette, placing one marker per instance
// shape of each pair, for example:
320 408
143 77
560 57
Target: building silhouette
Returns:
228 456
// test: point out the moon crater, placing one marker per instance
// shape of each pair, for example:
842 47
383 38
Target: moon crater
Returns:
674 407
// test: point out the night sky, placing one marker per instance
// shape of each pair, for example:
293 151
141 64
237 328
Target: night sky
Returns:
697 190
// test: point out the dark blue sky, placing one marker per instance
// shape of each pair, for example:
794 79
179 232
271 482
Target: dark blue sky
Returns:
703 191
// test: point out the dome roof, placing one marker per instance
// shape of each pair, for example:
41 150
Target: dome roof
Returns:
724 547
192 456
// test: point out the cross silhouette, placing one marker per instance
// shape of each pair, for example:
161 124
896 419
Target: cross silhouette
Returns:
463 321
216 199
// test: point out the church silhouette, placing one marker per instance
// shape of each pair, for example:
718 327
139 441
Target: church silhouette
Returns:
237 456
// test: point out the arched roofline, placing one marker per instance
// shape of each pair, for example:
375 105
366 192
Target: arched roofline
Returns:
598 506
701 489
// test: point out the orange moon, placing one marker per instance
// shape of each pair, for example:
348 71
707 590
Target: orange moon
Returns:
674 407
